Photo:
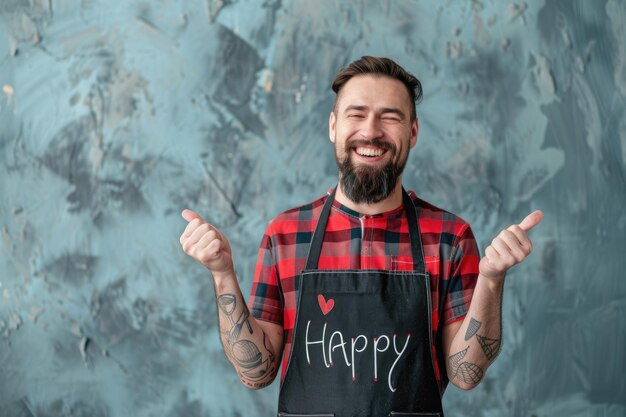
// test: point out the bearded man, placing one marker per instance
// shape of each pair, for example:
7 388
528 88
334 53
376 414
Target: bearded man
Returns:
369 299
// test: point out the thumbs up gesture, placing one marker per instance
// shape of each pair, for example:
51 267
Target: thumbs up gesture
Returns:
509 248
206 244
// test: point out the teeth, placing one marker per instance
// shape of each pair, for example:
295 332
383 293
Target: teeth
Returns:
369 151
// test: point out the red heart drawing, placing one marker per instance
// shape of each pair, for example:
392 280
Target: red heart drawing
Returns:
325 306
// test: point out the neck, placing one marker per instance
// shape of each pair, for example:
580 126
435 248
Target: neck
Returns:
393 201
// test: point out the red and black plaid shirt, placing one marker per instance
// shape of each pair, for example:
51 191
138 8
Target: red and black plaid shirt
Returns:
356 241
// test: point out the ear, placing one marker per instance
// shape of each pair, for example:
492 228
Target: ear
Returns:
331 126
415 127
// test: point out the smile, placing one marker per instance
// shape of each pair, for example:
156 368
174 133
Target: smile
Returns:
369 152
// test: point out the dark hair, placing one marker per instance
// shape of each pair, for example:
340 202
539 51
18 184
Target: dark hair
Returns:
381 67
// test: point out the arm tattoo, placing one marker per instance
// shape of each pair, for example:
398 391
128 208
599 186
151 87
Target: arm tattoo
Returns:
228 304
261 369
455 359
489 346
472 328
245 353
470 373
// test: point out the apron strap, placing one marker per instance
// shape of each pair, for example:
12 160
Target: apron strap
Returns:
417 251
318 236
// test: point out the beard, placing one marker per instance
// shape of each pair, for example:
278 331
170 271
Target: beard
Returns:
369 184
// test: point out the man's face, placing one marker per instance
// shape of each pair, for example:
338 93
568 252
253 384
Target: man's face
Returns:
372 131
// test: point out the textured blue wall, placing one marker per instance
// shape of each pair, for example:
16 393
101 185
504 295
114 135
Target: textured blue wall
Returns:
116 115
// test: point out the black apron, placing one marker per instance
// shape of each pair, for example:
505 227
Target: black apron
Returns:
362 339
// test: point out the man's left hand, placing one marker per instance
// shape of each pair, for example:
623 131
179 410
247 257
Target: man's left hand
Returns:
509 248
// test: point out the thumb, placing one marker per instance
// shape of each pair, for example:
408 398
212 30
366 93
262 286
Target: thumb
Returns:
531 220
189 215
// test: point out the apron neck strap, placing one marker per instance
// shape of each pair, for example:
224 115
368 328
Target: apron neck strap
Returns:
414 232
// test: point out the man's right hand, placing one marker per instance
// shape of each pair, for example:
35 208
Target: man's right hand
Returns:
206 244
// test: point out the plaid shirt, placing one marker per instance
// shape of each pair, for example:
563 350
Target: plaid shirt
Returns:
355 241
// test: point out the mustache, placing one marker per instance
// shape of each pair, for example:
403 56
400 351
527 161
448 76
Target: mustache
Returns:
379 143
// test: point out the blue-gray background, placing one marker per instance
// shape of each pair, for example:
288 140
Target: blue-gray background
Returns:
116 115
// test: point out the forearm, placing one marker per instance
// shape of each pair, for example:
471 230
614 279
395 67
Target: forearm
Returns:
246 344
477 342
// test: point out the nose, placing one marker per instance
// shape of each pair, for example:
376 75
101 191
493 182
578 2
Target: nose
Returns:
371 128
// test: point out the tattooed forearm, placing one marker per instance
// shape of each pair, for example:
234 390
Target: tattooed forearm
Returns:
252 357
476 340
490 346
261 369
468 372
228 304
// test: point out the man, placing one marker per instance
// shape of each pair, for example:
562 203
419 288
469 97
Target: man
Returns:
373 297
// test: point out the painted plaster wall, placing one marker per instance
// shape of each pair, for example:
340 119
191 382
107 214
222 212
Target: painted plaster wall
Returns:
115 115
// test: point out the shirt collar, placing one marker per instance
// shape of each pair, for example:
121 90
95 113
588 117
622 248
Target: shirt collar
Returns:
397 212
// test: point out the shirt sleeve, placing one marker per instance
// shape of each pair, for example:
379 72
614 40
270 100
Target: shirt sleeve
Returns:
265 302
464 261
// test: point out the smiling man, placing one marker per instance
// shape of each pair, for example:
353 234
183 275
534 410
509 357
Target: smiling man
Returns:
374 298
